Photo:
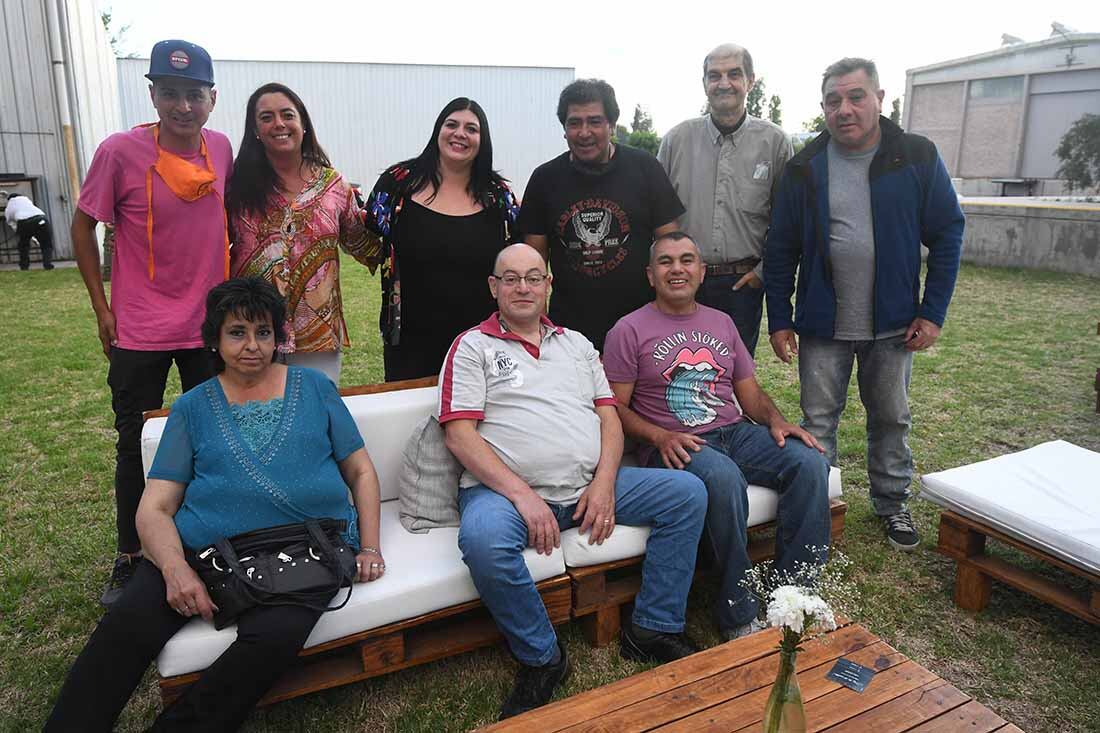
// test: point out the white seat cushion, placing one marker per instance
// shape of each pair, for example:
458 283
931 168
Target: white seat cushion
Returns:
424 573
631 541
1047 496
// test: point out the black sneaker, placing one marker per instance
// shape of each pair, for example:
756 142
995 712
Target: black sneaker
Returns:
120 576
534 686
900 531
660 648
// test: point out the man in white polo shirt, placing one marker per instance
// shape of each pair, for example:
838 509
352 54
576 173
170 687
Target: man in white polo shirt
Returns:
528 412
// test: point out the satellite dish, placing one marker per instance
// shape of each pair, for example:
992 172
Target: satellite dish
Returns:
1008 40
1061 30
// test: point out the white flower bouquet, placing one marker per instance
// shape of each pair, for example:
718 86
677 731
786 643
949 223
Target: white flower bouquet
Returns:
799 613
795 604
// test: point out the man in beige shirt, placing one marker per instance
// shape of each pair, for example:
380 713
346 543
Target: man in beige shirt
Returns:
725 167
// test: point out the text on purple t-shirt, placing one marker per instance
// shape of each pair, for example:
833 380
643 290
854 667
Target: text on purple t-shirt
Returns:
683 367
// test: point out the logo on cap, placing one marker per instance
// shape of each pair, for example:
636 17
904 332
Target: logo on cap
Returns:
179 59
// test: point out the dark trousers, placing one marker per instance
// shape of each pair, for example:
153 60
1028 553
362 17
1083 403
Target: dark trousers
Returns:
39 228
136 628
744 306
412 362
137 380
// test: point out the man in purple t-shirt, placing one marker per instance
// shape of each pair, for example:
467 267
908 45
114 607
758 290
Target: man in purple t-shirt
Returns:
162 187
684 384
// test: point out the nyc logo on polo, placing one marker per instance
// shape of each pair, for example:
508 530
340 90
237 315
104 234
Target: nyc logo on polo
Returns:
501 364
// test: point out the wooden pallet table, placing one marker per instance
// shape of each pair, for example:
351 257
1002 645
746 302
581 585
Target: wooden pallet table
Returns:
963 540
724 689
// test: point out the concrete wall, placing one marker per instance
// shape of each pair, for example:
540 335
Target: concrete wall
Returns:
937 113
989 141
1036 235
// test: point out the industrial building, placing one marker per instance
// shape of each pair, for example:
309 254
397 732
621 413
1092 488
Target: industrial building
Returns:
58 99
998 117
368 116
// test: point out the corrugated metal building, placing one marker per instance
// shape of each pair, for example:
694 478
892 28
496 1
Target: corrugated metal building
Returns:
368 116
1001 114
58 92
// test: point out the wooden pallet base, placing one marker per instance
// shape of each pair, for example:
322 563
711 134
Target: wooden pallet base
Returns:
963 540
600 592
389 648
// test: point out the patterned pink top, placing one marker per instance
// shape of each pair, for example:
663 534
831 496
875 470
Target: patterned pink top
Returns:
293 245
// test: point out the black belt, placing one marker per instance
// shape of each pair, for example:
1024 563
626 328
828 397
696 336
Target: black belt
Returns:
738 267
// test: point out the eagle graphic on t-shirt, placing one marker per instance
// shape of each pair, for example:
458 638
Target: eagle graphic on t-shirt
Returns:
690 392
592 234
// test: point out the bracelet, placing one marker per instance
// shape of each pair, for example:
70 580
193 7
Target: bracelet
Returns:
375 550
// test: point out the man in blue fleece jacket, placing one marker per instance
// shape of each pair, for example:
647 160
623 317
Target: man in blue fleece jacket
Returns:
850 216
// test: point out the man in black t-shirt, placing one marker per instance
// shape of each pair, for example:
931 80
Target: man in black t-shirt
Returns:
593 212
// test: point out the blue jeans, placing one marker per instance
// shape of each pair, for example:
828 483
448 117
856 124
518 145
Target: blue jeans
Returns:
493 535
743 453
884 368
744 306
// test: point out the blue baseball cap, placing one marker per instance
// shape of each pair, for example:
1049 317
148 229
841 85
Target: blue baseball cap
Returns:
180 60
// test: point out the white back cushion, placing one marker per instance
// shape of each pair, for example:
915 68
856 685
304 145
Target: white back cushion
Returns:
385 421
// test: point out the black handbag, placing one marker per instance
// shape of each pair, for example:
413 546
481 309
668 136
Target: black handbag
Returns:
303 564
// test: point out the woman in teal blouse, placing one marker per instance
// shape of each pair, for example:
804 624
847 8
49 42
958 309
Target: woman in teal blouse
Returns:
259 445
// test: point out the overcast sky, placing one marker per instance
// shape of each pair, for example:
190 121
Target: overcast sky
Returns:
650 52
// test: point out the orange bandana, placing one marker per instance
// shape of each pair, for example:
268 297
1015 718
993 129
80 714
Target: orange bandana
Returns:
186 180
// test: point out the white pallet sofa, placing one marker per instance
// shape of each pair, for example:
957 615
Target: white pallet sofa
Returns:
1043 501
426 606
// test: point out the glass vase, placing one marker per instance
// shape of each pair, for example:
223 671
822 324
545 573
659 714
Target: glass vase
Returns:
783 712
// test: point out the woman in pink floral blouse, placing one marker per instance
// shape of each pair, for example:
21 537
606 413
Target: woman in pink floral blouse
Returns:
288 212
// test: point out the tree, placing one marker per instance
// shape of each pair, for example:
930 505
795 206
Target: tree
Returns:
774 113
754 102
817 124
1079 152
116 36
642 135
643 121
647 141
895 111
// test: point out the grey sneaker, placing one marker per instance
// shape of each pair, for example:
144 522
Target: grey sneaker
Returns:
743 630
900 531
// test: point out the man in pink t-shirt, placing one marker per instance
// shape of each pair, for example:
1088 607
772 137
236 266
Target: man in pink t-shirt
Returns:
162 187
685 383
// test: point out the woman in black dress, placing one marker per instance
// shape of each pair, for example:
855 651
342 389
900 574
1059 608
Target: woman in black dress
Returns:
437 222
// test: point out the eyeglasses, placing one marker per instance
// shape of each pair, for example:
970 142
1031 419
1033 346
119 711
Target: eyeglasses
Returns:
511 279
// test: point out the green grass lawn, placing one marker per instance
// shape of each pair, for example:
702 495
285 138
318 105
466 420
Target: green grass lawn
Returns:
1014 367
